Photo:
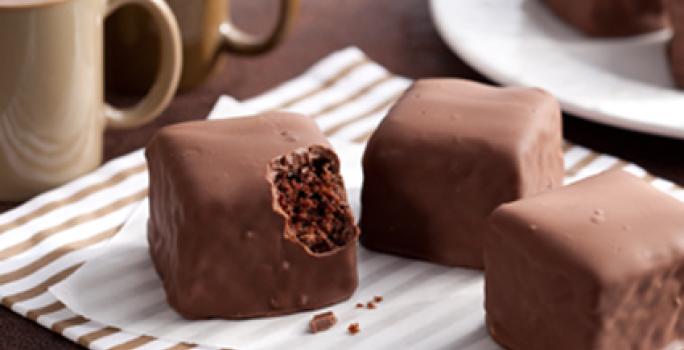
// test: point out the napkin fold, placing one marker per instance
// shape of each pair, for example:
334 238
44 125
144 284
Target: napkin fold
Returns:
48 238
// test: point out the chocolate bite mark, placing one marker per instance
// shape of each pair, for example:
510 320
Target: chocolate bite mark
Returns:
309 192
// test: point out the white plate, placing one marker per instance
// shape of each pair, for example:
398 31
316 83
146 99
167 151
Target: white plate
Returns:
621 82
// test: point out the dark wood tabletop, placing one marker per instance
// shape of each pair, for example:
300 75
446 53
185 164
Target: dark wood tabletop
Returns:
398 34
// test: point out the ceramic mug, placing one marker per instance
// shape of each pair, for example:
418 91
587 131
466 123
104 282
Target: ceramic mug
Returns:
132 49
52 109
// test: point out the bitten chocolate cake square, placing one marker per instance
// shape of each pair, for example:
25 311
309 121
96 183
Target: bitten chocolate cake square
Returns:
597 265
447 154
611 18
249 217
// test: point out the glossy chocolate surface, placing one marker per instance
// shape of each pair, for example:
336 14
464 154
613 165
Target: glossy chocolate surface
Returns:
220 240
447 154
597 265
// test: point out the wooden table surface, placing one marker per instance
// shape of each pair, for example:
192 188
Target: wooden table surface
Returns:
396 33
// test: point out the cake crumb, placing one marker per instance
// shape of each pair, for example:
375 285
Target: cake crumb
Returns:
370 305
378 299
322 322
354 328
359 305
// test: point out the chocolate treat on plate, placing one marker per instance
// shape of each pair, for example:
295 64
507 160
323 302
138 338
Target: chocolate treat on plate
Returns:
447 154
611 18
676 46
249 217
597 265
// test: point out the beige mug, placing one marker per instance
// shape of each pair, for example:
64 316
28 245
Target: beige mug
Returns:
52 109
132 49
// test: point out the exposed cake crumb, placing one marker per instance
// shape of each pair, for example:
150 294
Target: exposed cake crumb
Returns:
354 328
370 305
322 322
310 193
378 299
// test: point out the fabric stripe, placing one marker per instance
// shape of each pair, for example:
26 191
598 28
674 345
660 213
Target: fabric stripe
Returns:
339 92
354 96
648 177
34 303
618 165
86 191
56 254
60 326
363 138
325 84
41 288
433 326
133 343
48 309
85 217
575 169
182 346
376 109
87 339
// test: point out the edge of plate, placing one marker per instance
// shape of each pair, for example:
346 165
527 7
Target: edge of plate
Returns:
439 19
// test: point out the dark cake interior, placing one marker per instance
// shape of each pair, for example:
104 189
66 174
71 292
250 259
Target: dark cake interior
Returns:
309 193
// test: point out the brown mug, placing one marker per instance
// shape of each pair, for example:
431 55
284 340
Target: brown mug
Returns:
132 44
52 108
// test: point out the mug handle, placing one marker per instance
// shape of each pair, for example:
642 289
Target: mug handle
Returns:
168 76
238 41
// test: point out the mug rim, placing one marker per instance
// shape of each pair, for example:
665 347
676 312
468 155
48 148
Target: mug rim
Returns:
28 4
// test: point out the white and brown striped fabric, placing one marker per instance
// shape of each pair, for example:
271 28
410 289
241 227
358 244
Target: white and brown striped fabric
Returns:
48 238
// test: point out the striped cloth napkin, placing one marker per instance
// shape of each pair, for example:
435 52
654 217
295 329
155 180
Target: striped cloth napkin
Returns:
48 238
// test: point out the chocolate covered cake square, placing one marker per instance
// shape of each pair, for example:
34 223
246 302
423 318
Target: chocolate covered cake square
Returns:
448 153
249 217
597 265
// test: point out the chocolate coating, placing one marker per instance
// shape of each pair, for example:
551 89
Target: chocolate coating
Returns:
676 46
597 265
447 154
611 18
219 238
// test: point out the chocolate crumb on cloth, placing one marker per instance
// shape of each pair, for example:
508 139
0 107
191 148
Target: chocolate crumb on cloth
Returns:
611 18
448 153
249 217
354 328
597 265
322 322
